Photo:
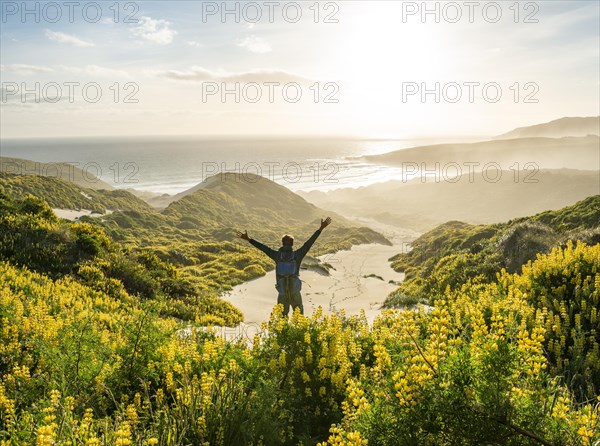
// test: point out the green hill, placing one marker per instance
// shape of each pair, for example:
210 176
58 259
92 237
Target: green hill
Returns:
64 171
266 209
68 195
455 252
196 232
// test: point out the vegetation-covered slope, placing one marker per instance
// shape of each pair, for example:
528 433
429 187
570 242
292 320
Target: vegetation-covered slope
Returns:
196 233
454 252
32 236
457 257
82 367
64 171
65 195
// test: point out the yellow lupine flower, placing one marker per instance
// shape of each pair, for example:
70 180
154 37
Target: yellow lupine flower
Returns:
305 376
131 414
45 436
123 435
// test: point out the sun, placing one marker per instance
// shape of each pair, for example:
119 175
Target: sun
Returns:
374 54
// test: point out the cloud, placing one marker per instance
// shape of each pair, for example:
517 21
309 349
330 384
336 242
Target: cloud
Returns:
154 30
25 69
96 71
194 43
9 36
67 38
200 74
90 70
254 44
18 99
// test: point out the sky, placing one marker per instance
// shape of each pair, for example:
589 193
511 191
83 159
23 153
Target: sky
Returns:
388 69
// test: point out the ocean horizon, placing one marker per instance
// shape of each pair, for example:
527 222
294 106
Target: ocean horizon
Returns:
172 164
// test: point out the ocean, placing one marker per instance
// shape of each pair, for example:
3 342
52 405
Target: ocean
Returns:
172 164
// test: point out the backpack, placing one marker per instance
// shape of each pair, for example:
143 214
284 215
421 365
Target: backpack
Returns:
286 265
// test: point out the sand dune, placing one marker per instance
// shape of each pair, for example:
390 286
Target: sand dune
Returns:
349 286
74 215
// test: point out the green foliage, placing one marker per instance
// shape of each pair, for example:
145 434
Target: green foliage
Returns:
196 232
32 236
475 369
93 349
65 195
455 252
564 287
80 366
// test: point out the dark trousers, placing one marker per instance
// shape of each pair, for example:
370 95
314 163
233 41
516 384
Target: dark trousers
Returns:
289 294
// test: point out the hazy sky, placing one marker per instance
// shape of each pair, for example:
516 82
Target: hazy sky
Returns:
360 70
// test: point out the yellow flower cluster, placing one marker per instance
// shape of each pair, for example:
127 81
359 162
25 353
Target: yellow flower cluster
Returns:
123 435
46 432
382 358
438 334
530 347
339 437
165 384
407 386
356 402
588 421
7 408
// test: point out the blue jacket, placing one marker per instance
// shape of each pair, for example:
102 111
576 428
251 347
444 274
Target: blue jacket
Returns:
300 252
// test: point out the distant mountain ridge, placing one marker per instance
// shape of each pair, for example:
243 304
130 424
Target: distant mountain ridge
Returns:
547 153
558 128
423 205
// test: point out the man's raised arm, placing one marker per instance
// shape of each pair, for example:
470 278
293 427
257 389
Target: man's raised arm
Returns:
303 250
264 248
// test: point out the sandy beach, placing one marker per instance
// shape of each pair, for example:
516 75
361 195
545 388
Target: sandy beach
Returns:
362 279
70 214
74 215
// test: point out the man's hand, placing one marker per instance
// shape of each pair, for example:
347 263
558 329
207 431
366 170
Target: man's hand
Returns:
243 235
325 223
